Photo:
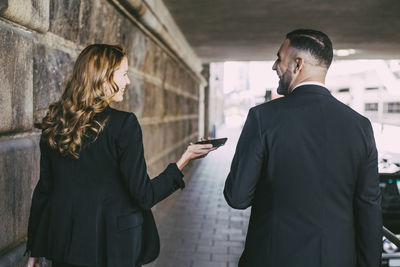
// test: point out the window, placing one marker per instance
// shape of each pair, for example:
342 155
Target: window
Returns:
371 106
392 107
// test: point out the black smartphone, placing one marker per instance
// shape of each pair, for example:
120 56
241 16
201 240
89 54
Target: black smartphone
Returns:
215 142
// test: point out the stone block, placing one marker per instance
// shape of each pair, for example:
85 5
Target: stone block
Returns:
100 22
193 106
33 14
187 127
168 65
169 134
153 140
195 126
192 86
95 23
180 79
185 81
170 107
171 73
154 61
179 104
180 133
64 18
51 70
190 127
186 105
153 101
149 101
19 172
16 80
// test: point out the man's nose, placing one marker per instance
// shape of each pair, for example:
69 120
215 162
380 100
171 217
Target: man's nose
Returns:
274 66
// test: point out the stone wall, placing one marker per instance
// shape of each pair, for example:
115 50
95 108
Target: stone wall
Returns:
39 41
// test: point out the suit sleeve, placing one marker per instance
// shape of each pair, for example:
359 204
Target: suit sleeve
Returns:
368 209
40 199
146 192
246 165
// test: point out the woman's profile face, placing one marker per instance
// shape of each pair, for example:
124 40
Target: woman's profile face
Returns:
121 79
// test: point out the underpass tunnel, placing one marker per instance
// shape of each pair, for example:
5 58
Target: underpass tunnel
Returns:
196 68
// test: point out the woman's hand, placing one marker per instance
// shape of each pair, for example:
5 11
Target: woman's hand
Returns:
194 151
32 262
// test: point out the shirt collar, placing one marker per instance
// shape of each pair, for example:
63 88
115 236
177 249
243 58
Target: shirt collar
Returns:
309 83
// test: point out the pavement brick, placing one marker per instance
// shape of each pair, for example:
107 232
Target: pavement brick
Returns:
214 236
229 243
237 237
233 264
198 256
172 263
209 264
235 250
174 248
225 257
212 249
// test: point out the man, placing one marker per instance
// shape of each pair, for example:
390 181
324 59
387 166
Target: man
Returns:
307 164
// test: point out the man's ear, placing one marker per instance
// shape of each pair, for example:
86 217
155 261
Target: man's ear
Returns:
299 64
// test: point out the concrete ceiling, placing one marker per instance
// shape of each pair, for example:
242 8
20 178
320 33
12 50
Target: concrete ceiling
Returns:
220 30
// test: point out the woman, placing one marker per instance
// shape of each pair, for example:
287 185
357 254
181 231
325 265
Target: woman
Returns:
91 206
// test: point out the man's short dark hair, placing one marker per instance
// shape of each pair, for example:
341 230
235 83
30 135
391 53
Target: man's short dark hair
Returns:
316 43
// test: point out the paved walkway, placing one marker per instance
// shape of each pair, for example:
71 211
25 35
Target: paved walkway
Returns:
200 229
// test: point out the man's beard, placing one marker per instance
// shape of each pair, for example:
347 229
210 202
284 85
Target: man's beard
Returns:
284 83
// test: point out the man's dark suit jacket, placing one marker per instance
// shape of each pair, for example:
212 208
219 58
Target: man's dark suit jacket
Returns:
307 164
95 211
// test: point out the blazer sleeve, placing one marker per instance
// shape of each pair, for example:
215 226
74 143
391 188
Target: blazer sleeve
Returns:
368 216
146 192
40 198
246 167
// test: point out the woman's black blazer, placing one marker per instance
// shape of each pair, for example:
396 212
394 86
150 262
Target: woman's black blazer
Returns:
95 211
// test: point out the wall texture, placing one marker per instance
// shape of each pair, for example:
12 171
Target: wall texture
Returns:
39 41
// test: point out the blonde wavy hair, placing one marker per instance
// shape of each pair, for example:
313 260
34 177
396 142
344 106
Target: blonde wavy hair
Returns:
87 94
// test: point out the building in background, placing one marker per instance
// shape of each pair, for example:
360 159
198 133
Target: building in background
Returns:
371 87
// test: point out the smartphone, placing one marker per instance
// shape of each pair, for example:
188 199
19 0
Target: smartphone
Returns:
215 142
